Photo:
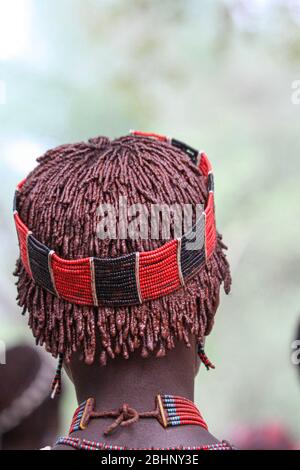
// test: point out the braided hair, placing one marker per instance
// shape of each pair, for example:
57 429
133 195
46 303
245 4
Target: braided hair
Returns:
60 201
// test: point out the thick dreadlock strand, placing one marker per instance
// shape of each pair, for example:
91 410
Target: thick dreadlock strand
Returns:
60 201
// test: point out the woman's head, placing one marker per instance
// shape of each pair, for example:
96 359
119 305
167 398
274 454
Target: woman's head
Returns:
61 204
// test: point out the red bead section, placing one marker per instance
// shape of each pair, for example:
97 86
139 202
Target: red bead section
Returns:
23 233
179 411
205 165
73 280
21 184
75 425
208 364
210 227
203 358
161 138
158 271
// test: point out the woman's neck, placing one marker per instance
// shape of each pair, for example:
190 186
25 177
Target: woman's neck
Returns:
137 381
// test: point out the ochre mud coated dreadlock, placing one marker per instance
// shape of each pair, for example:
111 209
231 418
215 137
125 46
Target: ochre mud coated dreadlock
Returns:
60 202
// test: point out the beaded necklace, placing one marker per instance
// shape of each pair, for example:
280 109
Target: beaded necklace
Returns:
170 411
85 444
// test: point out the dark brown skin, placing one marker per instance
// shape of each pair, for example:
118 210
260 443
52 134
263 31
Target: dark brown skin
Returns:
137 382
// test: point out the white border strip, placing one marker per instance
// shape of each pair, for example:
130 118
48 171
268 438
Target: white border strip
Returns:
137 277
179 245
51 272
93 277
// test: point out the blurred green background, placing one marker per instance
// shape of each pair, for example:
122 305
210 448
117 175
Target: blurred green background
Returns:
218 75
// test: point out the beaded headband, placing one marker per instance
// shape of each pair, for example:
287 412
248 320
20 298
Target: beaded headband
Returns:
131 279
